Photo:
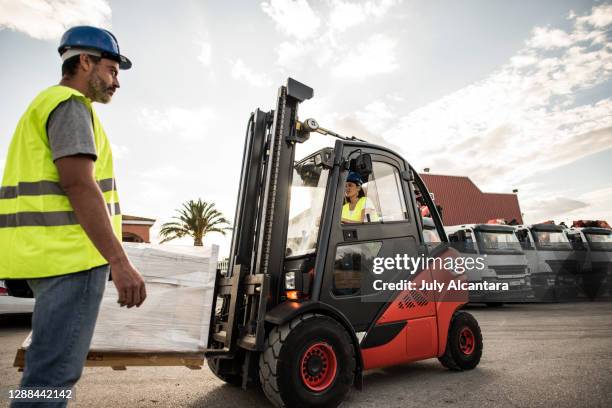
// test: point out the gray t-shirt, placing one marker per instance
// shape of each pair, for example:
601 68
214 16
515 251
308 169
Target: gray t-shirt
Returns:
70 130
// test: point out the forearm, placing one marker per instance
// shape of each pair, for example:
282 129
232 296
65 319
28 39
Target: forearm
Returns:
349 221
76 177
91 212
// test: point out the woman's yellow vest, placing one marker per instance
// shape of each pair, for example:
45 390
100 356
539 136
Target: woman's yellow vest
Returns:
354 215
39 233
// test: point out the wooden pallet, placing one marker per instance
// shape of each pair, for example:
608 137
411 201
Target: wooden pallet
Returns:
120 360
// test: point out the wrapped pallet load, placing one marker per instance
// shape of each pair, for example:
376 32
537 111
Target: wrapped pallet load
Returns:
171 327
176 316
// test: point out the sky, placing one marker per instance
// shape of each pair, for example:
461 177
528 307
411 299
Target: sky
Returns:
513 94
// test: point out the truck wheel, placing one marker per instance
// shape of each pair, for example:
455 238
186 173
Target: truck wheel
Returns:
309 362
232 379
464 343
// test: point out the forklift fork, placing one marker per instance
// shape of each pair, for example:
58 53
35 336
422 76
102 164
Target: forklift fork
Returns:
232 289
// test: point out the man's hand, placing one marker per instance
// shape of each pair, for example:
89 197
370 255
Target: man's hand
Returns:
129 283
77 180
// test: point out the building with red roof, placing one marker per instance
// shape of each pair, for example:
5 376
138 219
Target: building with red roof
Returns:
463 202
136 229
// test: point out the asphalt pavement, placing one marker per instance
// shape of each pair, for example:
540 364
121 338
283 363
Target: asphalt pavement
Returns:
535 355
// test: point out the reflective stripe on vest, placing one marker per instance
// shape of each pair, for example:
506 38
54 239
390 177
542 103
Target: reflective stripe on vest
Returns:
46 187
39 233
46 219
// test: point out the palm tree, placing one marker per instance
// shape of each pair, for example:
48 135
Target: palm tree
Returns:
195 219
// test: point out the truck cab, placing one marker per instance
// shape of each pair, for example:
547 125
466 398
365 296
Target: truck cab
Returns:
552 260
592 242
499 249
431 236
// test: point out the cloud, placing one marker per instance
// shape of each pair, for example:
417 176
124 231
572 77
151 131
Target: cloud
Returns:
186 123
344 14
328 44
376 116
377 55
119 151
592 205
550 208
350 125
242 72
293 17
522 119
48 20
600 17
549 38
523 60
600 206
147 194
205 56
166 172
291 54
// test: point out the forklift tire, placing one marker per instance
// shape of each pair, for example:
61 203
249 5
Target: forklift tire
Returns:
464 343
309 362
232 379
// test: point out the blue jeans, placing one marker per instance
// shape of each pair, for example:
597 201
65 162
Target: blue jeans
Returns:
63 323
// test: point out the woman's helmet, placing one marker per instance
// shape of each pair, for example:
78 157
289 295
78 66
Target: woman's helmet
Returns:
354 177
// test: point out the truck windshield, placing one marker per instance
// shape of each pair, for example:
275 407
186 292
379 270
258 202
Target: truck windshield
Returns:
495 241
600 241
307 195
551 240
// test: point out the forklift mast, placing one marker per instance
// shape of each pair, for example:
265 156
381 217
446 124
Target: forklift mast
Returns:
253 281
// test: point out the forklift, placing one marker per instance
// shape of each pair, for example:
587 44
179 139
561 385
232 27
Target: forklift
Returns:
296 313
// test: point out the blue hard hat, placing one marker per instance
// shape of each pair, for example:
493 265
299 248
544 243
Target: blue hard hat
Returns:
94 38
354 177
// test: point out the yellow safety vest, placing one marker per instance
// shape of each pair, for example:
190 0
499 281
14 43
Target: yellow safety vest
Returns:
39 233
354 215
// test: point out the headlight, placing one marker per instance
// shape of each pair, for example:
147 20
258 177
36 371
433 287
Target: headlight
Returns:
290 280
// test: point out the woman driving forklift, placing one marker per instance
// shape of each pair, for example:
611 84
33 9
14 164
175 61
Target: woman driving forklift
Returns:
357 208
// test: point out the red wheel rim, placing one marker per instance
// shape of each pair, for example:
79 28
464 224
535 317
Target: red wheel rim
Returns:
467 341
318 367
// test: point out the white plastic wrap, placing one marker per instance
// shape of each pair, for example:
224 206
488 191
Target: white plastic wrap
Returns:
176 314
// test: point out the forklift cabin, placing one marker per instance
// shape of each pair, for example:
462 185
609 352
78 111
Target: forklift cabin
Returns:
297 312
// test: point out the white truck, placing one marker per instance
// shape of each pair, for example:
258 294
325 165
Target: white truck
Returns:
14 305
592 242
552 261
504 259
